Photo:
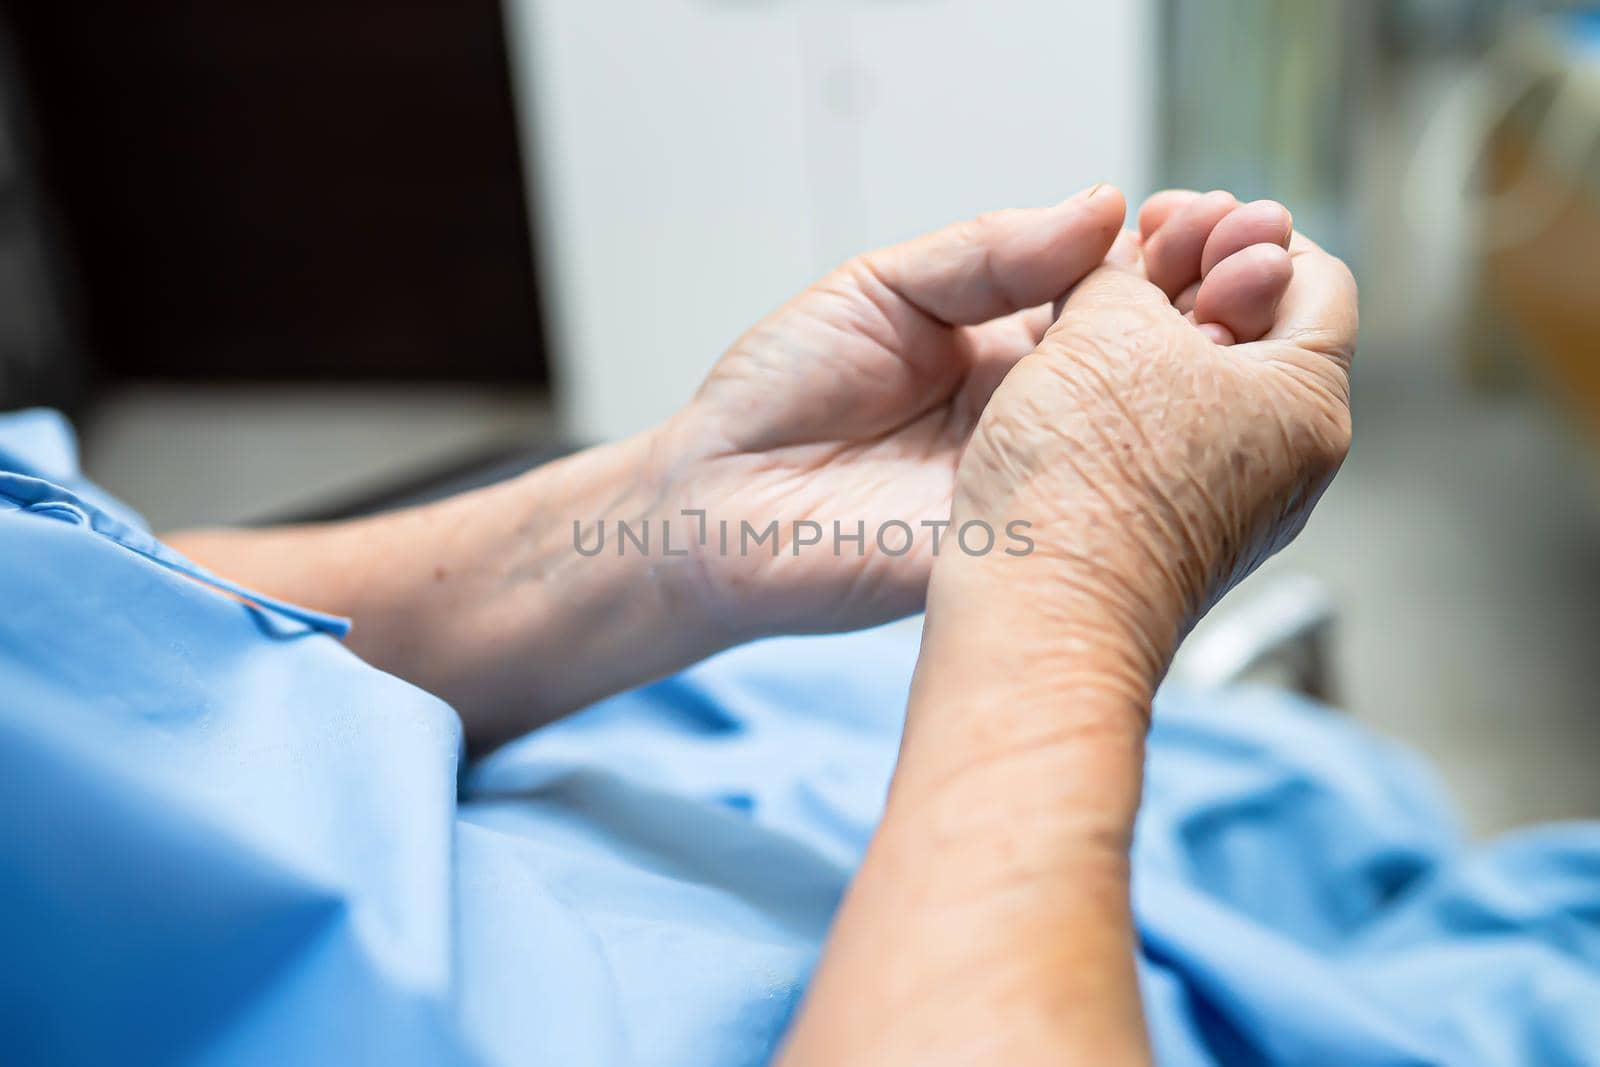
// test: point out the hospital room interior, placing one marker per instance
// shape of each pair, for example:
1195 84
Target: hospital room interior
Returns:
307 263
227 365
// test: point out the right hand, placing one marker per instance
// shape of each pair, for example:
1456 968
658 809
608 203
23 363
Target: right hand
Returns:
852 404
1157 464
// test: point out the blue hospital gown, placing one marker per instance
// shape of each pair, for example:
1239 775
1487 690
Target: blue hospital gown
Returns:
226 840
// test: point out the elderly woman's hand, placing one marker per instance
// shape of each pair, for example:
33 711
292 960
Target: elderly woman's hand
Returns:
852 405
1157 461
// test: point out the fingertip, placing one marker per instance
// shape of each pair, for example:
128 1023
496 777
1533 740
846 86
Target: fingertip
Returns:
1090 227
1278 263
1258 222
1106 204
1173 253
1243 292
1083 231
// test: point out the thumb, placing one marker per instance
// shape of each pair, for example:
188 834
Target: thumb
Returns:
1001 262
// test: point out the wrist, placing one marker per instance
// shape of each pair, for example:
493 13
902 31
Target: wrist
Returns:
624 524
1046 607
614 524
1105 548
699 486
679 497
519 603
1005 843
1029 675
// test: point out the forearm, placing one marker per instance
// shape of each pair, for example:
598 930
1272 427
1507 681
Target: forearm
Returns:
990 921
485 600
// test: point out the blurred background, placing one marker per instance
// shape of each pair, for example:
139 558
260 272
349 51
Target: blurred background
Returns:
285 260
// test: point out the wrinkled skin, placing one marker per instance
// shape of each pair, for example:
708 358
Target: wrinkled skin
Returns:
1144 444
853 403
857 401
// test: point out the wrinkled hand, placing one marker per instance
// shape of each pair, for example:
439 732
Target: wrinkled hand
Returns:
1159 461
853 403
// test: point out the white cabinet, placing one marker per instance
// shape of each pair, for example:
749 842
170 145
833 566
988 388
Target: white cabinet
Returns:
692 163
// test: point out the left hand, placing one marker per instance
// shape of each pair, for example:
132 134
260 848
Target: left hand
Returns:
1174 428
853 404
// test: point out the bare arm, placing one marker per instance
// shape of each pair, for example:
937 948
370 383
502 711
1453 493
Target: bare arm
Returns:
990 920
483 599
850 404
1158 462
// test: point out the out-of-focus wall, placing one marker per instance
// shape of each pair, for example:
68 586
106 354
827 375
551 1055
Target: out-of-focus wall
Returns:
692 163
1262 99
